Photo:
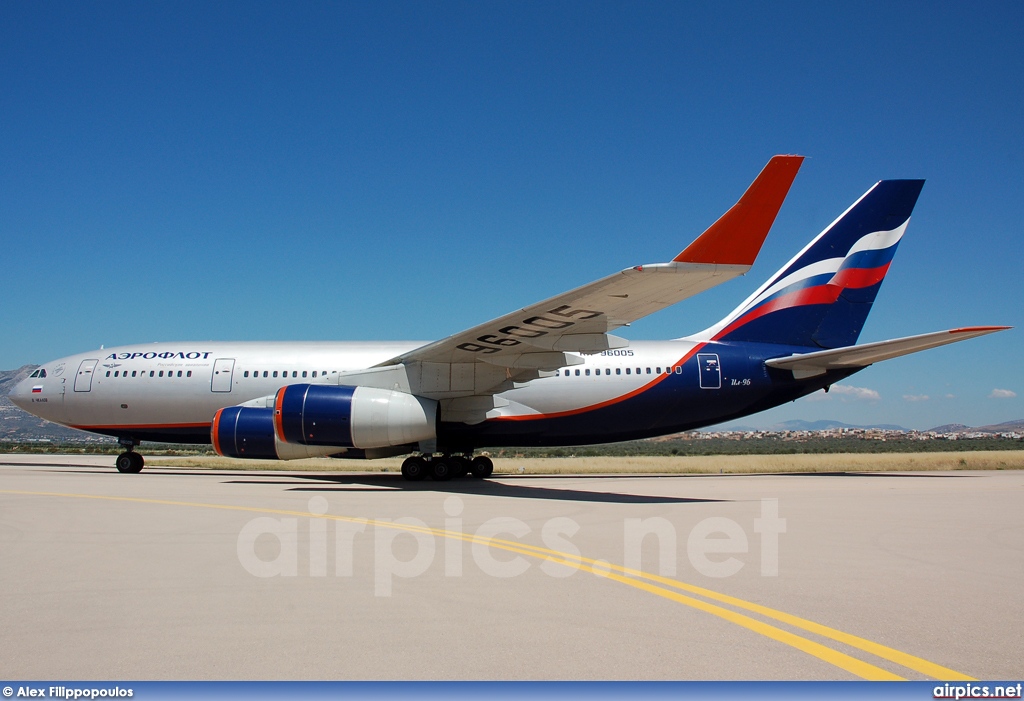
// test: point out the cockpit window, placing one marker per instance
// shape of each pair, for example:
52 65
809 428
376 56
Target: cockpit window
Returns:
41 372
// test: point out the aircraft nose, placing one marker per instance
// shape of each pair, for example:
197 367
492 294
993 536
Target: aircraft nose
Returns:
20 394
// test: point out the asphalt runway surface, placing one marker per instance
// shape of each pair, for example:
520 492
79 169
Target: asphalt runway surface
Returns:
197 574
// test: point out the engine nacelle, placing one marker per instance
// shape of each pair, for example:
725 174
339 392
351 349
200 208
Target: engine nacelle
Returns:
352 417
310 421
248 432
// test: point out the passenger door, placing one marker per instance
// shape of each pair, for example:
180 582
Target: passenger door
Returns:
710 371
223 369
83 380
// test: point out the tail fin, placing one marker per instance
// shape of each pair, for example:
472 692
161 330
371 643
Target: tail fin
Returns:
822 297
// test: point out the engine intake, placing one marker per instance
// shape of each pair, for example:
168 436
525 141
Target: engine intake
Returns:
244 432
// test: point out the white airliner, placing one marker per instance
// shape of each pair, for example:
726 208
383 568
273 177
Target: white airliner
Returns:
549 374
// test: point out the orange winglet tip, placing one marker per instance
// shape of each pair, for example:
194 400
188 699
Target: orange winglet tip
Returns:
976 329
736 238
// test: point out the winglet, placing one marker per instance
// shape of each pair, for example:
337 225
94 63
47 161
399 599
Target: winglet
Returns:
737 237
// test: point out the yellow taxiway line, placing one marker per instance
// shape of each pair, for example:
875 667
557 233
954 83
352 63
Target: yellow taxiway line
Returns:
664 587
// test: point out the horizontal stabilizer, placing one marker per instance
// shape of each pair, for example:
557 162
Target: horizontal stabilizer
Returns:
817 363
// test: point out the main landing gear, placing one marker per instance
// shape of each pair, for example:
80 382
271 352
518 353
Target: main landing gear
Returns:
129 460
445 467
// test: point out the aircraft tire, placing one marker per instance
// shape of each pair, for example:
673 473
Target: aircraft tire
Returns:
414 469
482 467
442 469
129 462
462 466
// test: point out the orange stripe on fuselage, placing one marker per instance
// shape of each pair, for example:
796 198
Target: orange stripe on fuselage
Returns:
130 427
609 402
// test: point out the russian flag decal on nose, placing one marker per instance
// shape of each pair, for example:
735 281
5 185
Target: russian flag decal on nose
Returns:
37 389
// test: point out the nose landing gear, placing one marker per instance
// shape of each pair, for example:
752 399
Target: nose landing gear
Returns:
129 461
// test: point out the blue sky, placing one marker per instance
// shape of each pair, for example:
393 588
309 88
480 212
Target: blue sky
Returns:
381 170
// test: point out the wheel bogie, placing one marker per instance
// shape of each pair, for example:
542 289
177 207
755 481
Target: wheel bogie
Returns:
442 468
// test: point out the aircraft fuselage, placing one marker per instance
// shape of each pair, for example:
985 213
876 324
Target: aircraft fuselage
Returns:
171 391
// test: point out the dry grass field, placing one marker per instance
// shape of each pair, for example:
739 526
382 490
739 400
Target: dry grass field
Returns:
710 464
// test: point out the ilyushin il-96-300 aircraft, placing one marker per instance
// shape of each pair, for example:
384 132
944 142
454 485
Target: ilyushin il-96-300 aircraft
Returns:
550 374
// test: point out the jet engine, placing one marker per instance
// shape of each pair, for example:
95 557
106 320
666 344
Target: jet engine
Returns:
313 420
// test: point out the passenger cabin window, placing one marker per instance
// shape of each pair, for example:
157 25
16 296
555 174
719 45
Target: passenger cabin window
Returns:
108 373
245 374
303 373
265 373
188 374
314 373
151 373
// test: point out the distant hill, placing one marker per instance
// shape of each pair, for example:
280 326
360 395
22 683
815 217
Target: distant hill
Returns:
827 425
799 425
9 378
950 428
1004 427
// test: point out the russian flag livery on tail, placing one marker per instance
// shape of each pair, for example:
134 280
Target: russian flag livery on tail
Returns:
549 374
822 297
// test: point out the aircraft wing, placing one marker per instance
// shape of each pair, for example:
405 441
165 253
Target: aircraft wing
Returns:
543 336
818 362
